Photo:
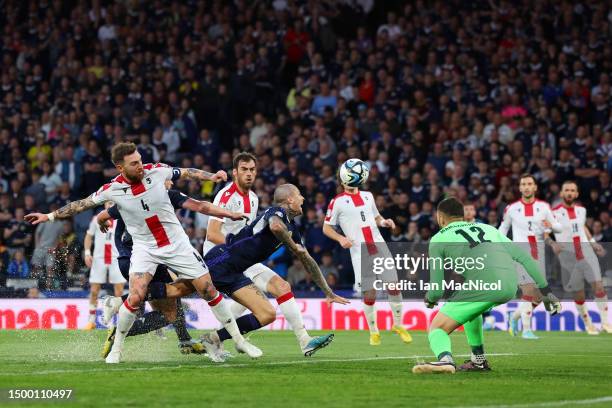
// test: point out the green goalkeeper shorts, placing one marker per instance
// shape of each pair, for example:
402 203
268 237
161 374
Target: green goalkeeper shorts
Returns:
463 312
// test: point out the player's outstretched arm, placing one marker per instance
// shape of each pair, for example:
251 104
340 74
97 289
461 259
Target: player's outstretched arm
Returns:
201 175
205 207
103 219
280 231
331 233
66 211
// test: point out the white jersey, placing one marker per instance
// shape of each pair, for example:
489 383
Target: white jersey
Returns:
104 243
232 199
145 207
526 222
356 215
572 220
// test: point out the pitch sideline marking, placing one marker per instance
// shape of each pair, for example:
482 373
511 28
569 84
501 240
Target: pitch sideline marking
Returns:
550 403
271 363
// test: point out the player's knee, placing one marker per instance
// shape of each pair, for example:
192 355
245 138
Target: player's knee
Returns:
281 287
135 299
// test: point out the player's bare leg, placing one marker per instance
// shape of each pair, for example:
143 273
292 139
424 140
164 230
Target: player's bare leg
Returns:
395 301
369 300
93 305
530 300
127 312
601 300
579 299
219 306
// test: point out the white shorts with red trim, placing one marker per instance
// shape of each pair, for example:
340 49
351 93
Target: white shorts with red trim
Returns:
366 281
102 272
575 271
180 257
260 274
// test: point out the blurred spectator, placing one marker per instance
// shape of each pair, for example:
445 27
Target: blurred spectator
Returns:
18 267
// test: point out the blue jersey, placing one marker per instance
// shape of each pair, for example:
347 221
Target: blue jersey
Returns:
252 244
123 239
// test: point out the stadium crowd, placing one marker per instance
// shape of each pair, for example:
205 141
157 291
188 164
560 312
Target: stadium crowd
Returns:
444 97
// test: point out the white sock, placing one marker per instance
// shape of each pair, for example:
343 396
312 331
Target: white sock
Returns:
478 358
526 312
370 314
293 315
584 313
125 320
395 301
602 305
92 313
237 309
222 312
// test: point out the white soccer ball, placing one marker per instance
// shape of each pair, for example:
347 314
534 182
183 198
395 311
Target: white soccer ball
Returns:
354 173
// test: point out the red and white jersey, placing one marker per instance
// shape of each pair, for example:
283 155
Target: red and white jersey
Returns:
572 220
356 215
104 243
145 207
526 222
232 199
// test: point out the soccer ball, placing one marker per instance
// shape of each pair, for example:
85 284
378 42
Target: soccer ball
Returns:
354 173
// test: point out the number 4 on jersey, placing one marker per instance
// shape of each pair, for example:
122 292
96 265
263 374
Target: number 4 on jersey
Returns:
144 206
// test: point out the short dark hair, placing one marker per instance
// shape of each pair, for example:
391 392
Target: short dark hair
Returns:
574 182
528 175
451 207
120 150
243 157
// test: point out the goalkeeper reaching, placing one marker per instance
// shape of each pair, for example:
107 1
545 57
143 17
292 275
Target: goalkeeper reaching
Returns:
483 257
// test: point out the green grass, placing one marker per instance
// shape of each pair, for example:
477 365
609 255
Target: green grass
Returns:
558 367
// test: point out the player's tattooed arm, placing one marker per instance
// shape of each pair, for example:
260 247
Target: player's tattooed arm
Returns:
201 175
280 231
66 211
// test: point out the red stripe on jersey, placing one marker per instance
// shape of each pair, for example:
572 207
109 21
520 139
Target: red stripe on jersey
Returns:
330 208
148 166
357 200
578 248
557 207
158 231
528 209
108 254
246 202
533 245
137 188
227 195
571 212
369 239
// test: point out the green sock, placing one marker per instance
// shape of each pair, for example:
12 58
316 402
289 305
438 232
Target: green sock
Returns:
473 331
440 344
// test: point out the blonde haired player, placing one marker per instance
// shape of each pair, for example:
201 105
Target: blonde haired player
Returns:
356 213
102 263
578 259
531 219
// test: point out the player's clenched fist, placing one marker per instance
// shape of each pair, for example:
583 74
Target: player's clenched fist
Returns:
219 176
345 242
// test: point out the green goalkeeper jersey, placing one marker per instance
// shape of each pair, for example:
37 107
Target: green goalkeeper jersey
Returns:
483 260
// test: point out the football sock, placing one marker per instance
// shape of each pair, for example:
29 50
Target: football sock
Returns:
246 323
526 311
125 320
222 312
180 325
601 299
92 313
584 312
237 309
395 301
440 344
370 313
474 332
293 315
149 322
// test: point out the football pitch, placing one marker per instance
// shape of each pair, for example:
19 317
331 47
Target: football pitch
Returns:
560 369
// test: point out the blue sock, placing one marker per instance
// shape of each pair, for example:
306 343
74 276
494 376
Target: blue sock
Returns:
246 324
156 290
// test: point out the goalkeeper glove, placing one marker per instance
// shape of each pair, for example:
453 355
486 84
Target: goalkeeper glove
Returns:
551 302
